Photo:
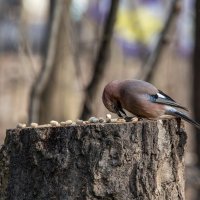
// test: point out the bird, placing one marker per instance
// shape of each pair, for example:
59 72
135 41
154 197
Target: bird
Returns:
143 100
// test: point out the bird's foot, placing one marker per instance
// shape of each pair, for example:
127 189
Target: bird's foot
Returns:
131 119
128 119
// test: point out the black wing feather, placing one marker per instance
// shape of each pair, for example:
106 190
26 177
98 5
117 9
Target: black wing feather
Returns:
165 95
166 101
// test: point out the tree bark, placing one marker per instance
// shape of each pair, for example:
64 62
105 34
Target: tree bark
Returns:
196 83
121 161
196 72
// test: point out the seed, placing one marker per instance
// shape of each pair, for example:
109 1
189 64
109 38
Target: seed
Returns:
44 125
108 118
34 125
69 122
21 125
79 122
54 123
121 120
134 120
63 123
113 120
93 120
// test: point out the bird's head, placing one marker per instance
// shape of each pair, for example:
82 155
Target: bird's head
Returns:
109 96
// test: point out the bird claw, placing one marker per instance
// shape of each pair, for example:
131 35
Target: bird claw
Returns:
133 119
128 119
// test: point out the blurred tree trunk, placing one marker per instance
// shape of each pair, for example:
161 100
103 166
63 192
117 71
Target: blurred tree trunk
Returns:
150 65
44 48
53 96
196 71
54 90
100 60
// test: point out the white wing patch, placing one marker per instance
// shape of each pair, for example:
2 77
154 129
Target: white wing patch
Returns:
170 108
161 96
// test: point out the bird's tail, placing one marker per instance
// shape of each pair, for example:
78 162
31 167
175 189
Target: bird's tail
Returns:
177 113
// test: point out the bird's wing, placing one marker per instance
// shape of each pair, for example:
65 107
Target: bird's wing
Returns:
162 98
166 96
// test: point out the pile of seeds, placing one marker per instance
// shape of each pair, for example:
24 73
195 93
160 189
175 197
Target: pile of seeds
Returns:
91 120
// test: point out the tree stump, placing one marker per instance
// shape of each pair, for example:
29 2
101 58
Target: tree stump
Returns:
120 161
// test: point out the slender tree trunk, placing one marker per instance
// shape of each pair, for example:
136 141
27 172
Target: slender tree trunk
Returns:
59 94
196 72
151 63
53 93
100 60
124 161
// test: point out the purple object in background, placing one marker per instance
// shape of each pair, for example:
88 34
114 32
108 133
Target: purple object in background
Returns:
135 47
98 10
132 49
185 29
149 1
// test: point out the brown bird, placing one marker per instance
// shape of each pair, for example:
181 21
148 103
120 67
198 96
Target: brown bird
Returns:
141 99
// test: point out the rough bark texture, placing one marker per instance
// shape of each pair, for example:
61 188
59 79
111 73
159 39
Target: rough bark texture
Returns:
99 161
